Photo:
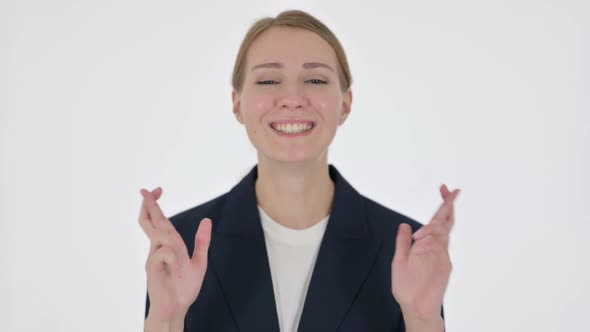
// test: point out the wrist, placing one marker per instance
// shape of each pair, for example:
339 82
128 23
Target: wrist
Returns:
157 325
416 323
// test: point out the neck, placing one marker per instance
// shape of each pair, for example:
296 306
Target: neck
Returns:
296 195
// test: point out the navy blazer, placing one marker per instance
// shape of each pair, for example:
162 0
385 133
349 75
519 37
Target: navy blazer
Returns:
350 287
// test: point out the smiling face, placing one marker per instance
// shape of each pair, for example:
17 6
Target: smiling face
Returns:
291 102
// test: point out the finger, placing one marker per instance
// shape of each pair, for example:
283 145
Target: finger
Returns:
156 192
154 211
403 242
444 191
168 238
444 212
429 244
431 229
446 194
161 258
144 218
451 219
202 241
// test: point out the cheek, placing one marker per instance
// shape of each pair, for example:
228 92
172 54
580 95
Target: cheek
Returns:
329 105
263 103
253 107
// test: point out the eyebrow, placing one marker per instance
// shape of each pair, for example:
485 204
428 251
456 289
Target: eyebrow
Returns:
307 65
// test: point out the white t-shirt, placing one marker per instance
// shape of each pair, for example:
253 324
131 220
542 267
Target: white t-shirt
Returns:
292 254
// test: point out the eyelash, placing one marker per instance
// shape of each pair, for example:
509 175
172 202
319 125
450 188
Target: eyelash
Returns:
314 79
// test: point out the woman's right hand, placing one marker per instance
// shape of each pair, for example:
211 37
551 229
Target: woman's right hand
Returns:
173 278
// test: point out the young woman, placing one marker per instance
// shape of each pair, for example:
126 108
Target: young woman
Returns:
293 246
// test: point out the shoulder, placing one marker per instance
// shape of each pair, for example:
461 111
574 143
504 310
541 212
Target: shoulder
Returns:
384 220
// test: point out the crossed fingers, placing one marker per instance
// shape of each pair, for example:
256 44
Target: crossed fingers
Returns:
442 222
156 226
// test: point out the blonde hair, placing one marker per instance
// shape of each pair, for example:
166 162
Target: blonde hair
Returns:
295 19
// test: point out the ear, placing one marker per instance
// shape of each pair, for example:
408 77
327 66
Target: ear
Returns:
346 106
235 96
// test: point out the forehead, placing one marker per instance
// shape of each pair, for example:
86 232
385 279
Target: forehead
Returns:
290 46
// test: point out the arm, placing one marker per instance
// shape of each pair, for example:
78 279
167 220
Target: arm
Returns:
413 324
421 270
177 325
153 325
174 278
419 326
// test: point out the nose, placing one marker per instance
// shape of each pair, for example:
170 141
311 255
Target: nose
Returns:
292 97
291 103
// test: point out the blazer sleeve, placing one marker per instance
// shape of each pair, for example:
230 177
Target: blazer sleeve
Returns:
147 305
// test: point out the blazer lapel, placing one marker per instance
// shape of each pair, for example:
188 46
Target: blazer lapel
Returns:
346 255
239 257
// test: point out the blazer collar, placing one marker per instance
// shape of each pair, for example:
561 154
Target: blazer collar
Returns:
239 257
240 214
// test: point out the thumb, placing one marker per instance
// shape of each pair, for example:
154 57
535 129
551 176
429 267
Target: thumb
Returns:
403 242
202 240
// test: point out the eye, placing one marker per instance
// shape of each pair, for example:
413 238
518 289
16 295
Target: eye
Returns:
267 82
317 81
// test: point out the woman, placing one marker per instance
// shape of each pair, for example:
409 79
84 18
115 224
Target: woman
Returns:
293 246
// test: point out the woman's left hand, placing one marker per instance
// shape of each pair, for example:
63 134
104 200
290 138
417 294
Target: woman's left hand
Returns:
420 271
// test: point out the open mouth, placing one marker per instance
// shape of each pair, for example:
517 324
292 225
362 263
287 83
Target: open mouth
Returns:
290 128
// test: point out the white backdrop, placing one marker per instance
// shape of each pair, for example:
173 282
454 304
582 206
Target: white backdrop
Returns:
100 98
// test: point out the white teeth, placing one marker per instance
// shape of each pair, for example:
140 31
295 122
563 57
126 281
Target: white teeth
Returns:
292 128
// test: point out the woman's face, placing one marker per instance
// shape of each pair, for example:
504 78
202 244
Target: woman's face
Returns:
291 101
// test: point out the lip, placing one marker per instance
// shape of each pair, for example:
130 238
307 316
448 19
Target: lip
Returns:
280 133
292 121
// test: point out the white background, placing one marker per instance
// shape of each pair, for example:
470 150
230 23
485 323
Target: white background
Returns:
100 98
